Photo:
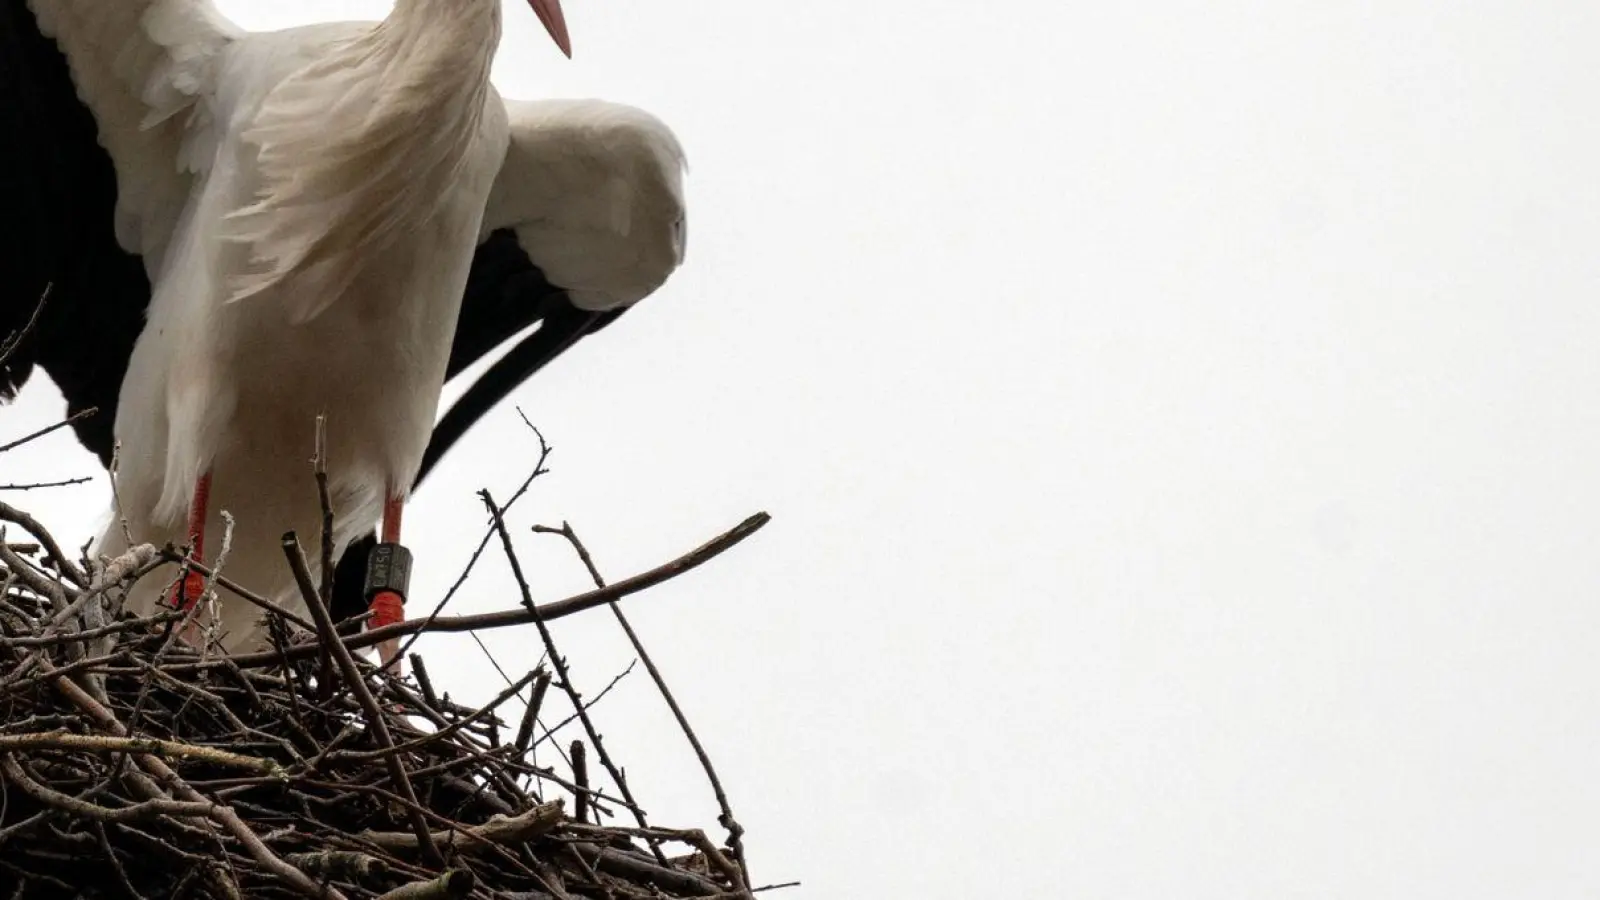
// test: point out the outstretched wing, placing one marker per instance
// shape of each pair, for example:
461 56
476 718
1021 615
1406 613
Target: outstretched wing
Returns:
142 68
594 191
58 192
586 218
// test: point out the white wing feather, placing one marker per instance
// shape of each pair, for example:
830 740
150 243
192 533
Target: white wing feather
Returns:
142 66
594 191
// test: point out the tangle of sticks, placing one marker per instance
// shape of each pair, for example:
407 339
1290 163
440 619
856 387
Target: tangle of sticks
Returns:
134 766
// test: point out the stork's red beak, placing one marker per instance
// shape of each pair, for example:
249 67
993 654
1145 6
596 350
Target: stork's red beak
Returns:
549 12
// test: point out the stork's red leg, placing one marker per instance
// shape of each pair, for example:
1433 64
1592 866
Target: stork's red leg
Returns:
387 575
391 519
187 593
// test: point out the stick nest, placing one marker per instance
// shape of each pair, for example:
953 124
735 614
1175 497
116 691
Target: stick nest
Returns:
134 766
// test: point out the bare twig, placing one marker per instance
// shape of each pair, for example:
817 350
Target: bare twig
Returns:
488 535
691 836
452 885
420 670
116 494
349 865
639 868
84 809
171 554
60 638
358 686
530 715
580 777
498 830
560 665
66 740
28 438
734 829
116 864
319 470
15 339
68 482
185 626
590 873
548 612
53 550
208 593
555 729
444 732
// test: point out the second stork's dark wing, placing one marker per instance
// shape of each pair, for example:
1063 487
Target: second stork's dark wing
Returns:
58 193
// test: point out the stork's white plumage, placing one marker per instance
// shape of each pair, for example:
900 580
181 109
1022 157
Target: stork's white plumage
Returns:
307 202
594 192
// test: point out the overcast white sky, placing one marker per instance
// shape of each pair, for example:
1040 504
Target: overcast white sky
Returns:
1180 422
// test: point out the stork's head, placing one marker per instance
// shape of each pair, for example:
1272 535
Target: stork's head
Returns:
549 13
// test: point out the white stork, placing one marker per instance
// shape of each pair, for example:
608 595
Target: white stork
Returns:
306 203
58 190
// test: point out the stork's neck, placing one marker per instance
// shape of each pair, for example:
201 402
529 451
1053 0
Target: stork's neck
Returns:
442 49
463 19
409 125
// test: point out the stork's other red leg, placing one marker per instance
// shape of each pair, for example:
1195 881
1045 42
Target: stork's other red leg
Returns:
388 605
391 519
187 593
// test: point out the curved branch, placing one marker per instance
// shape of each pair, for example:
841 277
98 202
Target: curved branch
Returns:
556 610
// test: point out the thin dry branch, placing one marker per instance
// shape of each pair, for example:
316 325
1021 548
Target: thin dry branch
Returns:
530 715
547 612
319 471
565 674
498 830
49 429
39 485
173 555
483 543
15 339
329 638
66 740
451 885
445 732
58 559
726 819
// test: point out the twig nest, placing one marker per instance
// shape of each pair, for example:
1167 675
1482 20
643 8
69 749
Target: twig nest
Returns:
134 766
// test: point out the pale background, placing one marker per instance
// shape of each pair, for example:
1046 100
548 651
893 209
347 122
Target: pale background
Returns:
1180 422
